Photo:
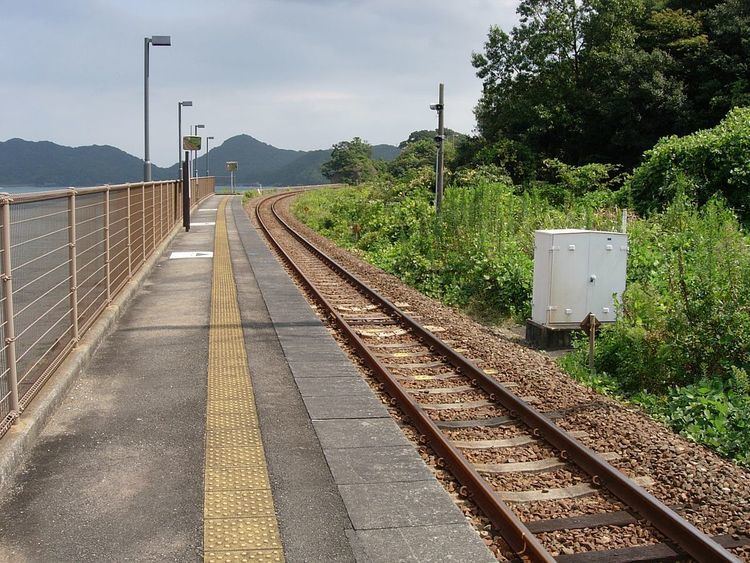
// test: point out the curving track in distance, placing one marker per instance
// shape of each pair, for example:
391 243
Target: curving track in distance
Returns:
409 359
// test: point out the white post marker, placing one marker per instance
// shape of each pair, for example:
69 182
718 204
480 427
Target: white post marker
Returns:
198 254
232 167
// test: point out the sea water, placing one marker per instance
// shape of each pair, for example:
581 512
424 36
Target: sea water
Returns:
28 189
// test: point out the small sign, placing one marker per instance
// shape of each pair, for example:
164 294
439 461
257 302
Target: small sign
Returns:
191 143
590 321
232 165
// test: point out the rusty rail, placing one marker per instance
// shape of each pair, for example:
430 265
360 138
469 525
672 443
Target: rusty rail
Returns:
672 525
65 255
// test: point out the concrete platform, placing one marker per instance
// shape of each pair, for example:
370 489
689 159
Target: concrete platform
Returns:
117 474
388 505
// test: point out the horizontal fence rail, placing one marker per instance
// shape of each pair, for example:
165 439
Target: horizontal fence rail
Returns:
64 256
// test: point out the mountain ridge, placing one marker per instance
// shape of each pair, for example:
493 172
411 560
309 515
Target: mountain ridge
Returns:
45 163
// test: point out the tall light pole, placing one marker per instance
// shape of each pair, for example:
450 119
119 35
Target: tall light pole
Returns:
156 41
440 140
207 157
195 155
180 105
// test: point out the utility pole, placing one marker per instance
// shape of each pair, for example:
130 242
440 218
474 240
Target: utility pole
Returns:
440 140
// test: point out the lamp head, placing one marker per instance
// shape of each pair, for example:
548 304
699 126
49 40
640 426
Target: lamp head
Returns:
161 40
186 104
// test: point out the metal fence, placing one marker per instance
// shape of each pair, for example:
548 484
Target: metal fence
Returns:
64 255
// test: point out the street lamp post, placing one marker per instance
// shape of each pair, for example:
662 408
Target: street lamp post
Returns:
156 41
195 153
180 105
207 157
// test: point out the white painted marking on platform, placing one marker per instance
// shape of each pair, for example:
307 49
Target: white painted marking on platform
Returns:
201 224
209 209
201 254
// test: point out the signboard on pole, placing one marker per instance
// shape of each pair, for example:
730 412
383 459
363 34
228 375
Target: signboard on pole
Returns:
191 143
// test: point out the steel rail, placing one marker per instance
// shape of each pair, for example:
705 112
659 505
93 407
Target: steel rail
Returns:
515 533
694 542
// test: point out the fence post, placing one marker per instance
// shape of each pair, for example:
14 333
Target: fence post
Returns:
172 207
10 330
153 217
106 245
168 209
73 262
143 220
161 211
130 242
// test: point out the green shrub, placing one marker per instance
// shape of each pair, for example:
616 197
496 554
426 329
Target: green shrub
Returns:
579 180
709 412
709 162
478 254
681 347
247 195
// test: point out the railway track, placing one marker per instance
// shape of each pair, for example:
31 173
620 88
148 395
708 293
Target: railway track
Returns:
480 428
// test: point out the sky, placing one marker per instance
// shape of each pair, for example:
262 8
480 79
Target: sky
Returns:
297 74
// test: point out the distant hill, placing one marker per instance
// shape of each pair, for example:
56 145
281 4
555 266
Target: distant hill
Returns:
259 162
29 163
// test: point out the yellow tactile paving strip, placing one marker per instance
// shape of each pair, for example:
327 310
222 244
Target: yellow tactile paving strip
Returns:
239 522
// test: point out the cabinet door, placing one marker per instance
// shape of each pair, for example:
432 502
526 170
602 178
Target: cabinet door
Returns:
569 268
606 273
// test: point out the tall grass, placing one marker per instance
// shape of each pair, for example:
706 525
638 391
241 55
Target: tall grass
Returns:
478 254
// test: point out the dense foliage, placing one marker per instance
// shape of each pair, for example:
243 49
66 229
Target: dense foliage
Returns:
351 162
429 135
477 254
705 163
684 332
603 80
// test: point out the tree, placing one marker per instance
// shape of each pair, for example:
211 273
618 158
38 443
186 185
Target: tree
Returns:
420 154
415 136
531 77
512 158
415 155
603 80
351 162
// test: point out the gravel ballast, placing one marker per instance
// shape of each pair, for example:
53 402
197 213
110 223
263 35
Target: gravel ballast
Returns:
713 493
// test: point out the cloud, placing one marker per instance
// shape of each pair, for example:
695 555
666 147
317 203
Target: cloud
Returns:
295 73
313 96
